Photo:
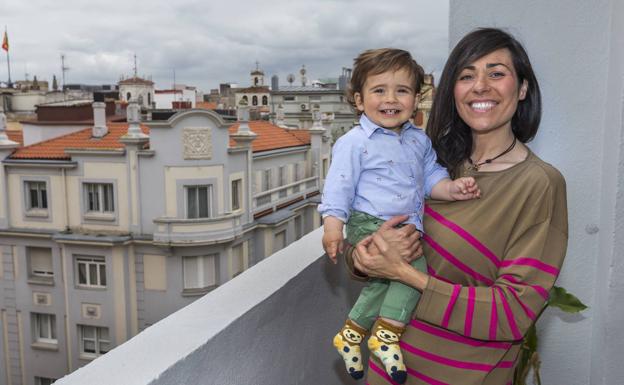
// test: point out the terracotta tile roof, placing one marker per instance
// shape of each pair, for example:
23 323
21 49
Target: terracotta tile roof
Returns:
136 80
54 149
206 105
272 137
16 136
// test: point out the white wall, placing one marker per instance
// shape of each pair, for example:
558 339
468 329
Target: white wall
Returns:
577 49
295 298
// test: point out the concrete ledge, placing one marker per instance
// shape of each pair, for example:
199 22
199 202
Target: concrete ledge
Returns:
273 324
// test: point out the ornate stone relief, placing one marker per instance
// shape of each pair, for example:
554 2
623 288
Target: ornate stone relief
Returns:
197 143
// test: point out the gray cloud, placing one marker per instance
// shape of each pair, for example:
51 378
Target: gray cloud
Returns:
212 42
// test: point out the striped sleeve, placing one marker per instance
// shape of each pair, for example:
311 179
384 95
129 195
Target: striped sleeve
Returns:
504 308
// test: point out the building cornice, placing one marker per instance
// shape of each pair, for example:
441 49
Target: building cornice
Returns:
42 163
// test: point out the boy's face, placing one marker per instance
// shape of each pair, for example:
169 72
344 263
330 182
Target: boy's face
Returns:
388 99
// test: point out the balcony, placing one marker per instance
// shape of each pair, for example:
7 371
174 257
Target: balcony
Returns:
273 324
271 199
197 231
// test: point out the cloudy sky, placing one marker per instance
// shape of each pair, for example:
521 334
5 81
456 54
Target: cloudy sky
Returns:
212 42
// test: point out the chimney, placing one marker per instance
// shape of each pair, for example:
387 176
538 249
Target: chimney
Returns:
99 116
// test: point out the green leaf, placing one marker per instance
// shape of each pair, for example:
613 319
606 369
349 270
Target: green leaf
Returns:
565 301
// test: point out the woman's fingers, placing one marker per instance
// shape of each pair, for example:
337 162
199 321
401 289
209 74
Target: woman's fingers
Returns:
393 222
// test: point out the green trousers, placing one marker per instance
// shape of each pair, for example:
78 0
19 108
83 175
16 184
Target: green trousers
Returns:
381 297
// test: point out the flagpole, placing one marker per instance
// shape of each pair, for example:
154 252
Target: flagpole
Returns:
8 59
9 67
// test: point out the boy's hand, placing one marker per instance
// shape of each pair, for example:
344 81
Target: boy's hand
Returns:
465 188
332 243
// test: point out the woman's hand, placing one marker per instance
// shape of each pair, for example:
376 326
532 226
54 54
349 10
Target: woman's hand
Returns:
386 254
389 250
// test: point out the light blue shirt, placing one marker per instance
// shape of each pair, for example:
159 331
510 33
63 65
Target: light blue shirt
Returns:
381 173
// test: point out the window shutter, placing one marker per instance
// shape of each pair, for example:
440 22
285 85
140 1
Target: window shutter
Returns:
40 260
191 272
209 271
258 181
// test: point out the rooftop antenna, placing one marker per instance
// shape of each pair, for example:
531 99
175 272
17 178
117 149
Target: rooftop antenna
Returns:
257 65
290 78
26 72
303 71
135 66
63 70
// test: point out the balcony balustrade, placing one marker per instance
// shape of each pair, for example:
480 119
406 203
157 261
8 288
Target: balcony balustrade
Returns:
197 231
282 194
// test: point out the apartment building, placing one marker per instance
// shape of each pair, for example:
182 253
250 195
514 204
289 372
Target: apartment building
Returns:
107 229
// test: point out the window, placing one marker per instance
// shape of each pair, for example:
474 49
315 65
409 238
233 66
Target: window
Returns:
91 271
200 272
128 95
298 227
149 100
44 328
39 260
37 197
238 260
296 172
99 197
199 201
265 100
266 180
237 194
279 241
245 98
289 98
282 180
254 100
44 380
94 340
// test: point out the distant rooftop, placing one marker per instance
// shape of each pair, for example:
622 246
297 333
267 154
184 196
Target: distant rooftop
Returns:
55 149
136 80
68 103
307 89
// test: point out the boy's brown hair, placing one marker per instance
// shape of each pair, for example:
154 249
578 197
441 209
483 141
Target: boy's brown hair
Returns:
377 61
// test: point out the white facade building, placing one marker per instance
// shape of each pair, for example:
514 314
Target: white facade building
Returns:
108 229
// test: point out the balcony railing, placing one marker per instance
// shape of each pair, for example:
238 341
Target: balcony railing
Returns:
282 194
273 324
197 231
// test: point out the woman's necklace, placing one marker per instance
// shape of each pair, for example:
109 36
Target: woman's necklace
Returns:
475 166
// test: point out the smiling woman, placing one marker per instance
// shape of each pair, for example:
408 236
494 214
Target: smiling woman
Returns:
491 261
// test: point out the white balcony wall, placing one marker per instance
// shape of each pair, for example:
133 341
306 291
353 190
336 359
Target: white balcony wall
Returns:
273 324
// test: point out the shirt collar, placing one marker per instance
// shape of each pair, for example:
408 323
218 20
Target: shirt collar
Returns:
370 128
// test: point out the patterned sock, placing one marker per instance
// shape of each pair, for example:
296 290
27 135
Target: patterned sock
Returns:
347 343
384 343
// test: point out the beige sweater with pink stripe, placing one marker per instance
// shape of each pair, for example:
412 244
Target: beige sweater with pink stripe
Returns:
492 262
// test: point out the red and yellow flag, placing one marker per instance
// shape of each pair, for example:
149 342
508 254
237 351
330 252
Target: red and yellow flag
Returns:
5 42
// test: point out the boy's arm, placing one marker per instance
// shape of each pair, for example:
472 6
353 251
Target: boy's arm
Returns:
460 189
332 237
342 179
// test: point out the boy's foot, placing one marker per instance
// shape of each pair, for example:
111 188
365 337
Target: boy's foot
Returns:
384 343
347 343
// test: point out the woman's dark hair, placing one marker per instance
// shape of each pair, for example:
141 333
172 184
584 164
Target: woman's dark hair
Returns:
450 135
